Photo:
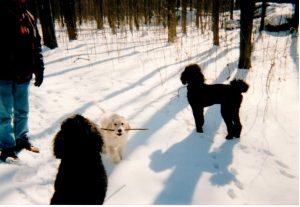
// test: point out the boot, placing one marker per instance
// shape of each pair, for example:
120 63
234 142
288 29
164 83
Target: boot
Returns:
24 143
8 153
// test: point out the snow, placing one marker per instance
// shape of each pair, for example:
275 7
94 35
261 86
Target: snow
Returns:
137 76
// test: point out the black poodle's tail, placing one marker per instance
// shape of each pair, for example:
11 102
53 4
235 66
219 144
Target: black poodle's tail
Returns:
240 85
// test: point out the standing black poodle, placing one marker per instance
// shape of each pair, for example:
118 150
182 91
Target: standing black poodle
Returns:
201 95
81 177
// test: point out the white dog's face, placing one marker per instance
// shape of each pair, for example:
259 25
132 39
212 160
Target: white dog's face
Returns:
119 125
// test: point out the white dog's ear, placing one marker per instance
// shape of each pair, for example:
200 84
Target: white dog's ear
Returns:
127 125
110 125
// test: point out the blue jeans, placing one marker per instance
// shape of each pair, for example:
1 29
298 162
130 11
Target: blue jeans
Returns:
14 108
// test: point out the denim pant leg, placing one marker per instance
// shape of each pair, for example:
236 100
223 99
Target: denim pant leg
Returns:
7 139
21 109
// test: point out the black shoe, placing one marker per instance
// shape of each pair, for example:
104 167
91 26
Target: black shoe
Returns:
24 143
8 154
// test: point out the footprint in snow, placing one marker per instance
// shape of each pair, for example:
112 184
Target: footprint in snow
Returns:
268 153
244 148
234 171
282 164
231 194
24 173
216 166
284 173
239 184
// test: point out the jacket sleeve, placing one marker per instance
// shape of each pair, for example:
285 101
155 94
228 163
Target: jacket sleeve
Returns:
6 41
39 63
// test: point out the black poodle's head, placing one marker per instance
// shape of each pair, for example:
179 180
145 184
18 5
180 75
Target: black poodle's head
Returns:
192 75
77 135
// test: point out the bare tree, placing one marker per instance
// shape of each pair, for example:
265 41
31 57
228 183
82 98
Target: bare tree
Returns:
99 13
295 20
263 14
183 16
247 13
231 9
69 14
46 19
171 20
215 18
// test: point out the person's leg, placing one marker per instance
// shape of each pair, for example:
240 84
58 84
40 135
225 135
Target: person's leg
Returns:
7 139
21 110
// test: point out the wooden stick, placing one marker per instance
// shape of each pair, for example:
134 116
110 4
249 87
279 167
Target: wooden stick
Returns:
136 129
118 190
107 129
125 129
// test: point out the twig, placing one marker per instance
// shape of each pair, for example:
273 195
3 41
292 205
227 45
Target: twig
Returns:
115 192
80 58
125 129
107 129
178 93
136 129
101 109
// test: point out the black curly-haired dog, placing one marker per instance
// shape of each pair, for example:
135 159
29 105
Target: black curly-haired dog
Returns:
201 95
81 177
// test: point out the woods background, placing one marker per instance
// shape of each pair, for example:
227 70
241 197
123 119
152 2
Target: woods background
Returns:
117 14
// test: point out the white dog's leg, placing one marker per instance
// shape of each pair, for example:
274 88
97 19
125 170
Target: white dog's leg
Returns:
117 158
104 149
113 152
121 150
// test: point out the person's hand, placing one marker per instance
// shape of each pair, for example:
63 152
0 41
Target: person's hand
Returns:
38 80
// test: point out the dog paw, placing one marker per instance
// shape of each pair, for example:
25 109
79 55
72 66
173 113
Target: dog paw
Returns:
231 194
232 136
116 161
229 137
200 130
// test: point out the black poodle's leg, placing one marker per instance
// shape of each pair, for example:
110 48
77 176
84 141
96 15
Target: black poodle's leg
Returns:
226 113
198 116
237 123
236 116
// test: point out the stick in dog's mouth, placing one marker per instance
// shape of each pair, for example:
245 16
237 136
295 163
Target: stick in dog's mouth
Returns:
125 129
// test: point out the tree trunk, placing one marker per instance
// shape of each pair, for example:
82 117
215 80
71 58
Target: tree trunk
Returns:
198 13
130 14
183 16
70 18
247 13
295 20
231 9
136 16
238 4
99 13
263 14
47 24
215 20
171 21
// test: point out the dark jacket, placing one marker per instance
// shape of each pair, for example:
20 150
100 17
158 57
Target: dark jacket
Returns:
20 55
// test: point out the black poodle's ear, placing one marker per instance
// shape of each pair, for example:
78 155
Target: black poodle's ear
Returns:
201 77
183 78
192 74
58 145
96 141
77 134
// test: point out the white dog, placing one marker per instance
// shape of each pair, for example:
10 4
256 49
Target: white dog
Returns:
114 132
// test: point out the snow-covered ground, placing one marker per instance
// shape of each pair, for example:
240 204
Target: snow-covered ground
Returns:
137 75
